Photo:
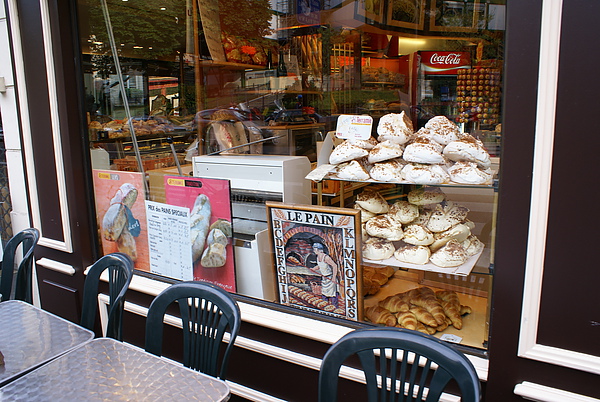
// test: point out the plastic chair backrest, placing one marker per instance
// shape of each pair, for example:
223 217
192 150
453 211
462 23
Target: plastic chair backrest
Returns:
23 281
207 312
437 363
120 272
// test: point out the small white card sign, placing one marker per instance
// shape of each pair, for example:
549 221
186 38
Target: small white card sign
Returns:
356 127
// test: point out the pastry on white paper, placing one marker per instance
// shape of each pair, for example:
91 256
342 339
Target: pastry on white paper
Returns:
352 170
346 152
451 255
384 151
375 248
388 171
413 254
384 226
424 174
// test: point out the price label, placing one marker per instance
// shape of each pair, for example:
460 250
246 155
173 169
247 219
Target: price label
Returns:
356 127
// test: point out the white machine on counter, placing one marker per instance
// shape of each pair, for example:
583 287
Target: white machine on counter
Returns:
256 179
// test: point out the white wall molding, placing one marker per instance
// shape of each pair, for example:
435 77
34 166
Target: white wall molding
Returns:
542 393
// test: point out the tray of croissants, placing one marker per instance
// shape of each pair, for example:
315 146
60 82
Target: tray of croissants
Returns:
436 154
425 231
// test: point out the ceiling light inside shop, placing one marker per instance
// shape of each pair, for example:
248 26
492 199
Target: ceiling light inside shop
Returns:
138 47
163 8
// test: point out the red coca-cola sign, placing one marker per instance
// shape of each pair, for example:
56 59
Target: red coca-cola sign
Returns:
444 62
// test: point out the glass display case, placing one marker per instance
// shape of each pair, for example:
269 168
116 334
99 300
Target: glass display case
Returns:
174 80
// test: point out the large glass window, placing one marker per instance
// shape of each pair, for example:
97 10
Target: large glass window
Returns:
201 112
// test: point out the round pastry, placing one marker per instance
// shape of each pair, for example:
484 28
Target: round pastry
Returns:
367 144
469 173
413 254
372 201
443 130
458 232
426 196
423 150
444 217
352 170
472 245
404 211
385 227
387 171
424 174
346 152
384 151
364 214
396 127
378 249
417 235
451 255
468 149
423 218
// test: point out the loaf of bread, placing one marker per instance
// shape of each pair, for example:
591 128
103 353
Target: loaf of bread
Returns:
200 223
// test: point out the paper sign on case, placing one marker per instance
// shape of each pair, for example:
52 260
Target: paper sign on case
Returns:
356 127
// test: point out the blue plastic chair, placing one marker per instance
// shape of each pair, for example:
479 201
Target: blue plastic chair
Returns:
207 312
28 238
389 353
120 272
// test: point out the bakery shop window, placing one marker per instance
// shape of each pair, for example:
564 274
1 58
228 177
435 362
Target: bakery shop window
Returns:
383 119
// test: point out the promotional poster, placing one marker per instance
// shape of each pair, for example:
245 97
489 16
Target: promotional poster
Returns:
121 214
210 231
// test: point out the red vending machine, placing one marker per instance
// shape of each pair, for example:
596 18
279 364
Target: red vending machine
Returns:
433 83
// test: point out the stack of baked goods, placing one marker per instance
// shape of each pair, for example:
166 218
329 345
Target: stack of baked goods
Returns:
438 153
420 309
426 228
374 278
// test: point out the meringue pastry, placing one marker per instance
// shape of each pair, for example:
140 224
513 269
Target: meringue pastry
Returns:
352 170
451 255
469 173
384 151
458 232
442 130
346 152
375 248
413 254
424 174
384 226
468 149
396 127
389 171
426 195
372 201
472 245
417 235
403 211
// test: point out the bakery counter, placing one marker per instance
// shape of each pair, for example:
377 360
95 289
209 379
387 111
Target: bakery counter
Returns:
475 324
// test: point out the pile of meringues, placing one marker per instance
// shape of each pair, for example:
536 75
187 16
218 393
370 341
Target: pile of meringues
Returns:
438 153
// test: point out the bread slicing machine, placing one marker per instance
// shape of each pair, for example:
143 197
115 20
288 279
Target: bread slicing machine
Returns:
255 180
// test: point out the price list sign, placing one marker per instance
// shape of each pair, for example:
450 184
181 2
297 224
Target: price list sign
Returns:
169 240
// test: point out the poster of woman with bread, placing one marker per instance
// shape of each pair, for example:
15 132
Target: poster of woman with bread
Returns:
121 214
317 258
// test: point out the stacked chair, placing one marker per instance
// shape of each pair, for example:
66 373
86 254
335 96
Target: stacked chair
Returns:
23 289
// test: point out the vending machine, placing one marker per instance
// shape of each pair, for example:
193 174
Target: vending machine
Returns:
433 83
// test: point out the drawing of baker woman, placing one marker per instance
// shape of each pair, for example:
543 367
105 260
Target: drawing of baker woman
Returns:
328 270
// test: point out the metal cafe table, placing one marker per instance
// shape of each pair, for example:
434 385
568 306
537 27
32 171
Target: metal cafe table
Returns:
105 369
30 337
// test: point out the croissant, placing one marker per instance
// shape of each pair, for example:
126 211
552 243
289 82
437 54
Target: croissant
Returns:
422 291
448 295
453 312
407 320
432 305
426 329
394 304
379 315
465 310
424 316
